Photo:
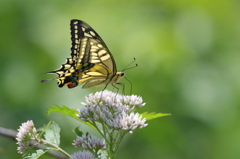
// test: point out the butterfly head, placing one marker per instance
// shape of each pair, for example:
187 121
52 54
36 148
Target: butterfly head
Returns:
120 75
117 77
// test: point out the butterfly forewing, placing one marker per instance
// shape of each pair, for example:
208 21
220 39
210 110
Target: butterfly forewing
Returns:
90 62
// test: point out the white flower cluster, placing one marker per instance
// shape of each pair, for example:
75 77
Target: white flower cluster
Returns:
115 110
90 142
26 133
114 98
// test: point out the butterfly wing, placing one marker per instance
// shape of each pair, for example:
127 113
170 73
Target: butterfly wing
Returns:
91 61
88 46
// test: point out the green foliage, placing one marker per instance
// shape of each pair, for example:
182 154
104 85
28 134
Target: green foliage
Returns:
38 153
64 110
67 111
52 134
78 132
153 115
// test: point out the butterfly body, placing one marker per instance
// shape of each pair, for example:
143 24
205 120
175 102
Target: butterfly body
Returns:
90 63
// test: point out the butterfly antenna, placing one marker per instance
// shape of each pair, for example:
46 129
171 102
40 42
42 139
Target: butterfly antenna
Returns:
130 83
127 67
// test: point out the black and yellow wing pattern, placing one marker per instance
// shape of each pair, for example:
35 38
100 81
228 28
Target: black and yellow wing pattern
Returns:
90 63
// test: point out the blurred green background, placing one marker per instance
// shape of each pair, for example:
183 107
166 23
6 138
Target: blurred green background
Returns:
188 57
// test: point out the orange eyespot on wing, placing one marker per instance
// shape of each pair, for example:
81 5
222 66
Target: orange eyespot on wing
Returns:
70 85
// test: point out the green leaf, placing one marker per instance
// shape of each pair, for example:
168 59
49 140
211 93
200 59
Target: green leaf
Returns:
52 133
64 110
153 115
78 132
38 153
69 112
44 128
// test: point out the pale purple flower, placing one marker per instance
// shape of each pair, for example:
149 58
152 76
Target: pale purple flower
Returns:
116 110
83 155
113 99
26 133
128 122
89 142
133 100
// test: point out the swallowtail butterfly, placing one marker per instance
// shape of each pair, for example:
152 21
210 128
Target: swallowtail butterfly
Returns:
90 63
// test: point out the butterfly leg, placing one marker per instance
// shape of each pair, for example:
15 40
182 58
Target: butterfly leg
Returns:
103 90
130 84
123 87
115 87
96 89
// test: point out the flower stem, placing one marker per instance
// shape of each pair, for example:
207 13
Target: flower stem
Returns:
58 148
